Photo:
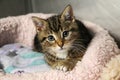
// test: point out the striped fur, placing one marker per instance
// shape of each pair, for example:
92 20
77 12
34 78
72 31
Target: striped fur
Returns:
62 39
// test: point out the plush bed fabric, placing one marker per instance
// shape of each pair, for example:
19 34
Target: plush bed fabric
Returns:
101 49
112 69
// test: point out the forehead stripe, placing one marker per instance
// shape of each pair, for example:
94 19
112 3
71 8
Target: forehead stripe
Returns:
54 23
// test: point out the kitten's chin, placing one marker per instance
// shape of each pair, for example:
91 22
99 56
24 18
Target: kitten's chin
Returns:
60 53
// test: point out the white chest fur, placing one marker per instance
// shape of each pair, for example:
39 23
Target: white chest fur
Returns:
60 53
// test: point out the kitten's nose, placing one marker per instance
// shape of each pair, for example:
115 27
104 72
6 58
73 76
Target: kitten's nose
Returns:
60 44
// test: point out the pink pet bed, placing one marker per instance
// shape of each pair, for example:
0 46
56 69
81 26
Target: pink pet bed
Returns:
102 48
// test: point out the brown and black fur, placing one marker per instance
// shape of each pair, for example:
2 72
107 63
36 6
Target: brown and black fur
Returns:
78 40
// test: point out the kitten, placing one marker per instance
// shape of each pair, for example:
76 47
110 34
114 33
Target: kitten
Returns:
62 38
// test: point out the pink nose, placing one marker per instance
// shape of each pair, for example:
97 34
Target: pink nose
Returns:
60 44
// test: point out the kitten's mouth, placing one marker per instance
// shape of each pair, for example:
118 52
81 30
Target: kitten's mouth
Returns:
62 48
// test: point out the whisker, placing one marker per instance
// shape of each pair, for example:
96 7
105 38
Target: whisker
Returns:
80 40
79 46
78 50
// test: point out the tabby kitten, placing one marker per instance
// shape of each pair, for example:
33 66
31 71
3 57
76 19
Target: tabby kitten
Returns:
62 39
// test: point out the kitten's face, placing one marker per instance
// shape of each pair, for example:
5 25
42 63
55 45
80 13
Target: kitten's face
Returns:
57 33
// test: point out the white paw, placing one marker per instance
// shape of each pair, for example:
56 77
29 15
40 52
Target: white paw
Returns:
62 68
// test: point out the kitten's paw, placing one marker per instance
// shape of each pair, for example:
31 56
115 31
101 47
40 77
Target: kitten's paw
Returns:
64 65
62 68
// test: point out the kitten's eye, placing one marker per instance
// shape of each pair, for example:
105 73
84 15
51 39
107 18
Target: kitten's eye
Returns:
51 38
65 33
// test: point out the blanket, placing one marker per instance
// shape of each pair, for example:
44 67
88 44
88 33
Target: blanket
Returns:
102 48
17 58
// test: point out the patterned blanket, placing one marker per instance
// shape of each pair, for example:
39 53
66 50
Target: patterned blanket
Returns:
17 58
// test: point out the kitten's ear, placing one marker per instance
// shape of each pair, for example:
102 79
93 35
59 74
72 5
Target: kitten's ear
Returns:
67 14
39 23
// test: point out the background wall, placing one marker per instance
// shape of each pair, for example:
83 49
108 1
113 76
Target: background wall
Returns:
14 7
